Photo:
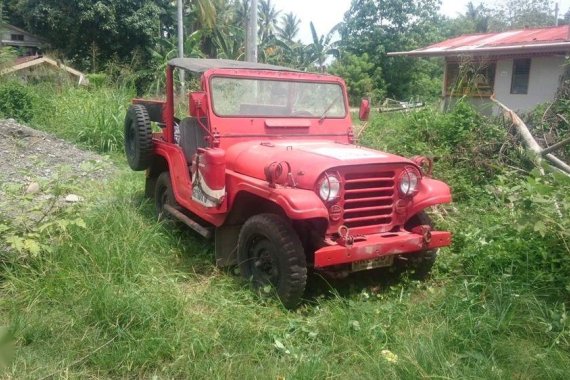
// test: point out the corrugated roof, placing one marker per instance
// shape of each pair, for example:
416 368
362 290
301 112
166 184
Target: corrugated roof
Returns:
551 39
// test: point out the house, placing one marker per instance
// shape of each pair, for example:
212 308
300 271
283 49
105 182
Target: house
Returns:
26 66
25 43
523 68
30 57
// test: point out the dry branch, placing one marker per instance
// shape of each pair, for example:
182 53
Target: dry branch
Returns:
530 142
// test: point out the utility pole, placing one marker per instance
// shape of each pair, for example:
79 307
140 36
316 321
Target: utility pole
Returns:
180 13
556 10
251 51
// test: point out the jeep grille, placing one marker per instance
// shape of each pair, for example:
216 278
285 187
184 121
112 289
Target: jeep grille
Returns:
368 198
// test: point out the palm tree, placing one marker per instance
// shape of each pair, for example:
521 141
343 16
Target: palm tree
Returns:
241 13
267 18
289 27
203 12
322 47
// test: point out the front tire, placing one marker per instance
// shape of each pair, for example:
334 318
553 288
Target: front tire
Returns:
421 263
270 254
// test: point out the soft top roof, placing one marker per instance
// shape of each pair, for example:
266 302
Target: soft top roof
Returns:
199 65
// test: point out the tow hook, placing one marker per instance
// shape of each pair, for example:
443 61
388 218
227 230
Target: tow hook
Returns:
425 231
347 240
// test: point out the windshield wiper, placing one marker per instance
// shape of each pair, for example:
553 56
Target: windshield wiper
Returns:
329 108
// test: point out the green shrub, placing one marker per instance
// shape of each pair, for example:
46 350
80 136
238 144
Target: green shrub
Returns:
16 101
92 117
464 144
97 79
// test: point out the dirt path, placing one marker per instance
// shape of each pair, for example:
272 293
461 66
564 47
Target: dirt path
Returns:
37 170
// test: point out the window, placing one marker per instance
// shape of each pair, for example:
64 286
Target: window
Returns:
17 37
521 72
240 97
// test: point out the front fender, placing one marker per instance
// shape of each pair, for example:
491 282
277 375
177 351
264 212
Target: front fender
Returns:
297 204
300 204
432 192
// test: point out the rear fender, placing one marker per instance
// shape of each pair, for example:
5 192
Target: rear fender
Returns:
432 192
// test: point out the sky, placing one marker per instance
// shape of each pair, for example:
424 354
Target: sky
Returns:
327 13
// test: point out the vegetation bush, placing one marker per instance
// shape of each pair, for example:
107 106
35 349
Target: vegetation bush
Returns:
17 101
90 116
508 221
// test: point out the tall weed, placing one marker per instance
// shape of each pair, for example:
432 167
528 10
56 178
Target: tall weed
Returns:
92 117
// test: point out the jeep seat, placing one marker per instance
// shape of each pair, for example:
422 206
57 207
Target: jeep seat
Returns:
192 136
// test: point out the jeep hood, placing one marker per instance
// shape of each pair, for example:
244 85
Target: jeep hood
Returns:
308 159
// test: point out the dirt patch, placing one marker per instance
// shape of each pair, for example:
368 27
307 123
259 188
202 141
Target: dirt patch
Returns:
39 171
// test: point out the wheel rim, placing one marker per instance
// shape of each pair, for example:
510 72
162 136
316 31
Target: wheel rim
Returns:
264 268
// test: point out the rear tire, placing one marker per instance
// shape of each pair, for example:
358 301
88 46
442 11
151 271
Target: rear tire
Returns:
422 262
163 195
270 254
138 138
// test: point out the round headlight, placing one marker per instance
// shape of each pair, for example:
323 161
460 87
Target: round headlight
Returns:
409 181
329 188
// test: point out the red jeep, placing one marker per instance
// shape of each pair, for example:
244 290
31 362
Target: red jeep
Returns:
266 162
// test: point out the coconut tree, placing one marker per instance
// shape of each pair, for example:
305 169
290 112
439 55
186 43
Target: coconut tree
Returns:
289 27
241 13
203 12
268 20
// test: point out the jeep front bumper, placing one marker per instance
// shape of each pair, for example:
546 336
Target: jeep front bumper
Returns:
374 246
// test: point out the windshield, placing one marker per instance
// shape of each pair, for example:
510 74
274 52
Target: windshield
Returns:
276 98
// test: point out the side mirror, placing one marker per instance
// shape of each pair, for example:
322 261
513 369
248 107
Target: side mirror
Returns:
364 112
198 104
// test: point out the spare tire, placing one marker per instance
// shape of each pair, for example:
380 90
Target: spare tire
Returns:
138 137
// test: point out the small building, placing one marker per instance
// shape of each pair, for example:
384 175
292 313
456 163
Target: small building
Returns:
523 68
26 44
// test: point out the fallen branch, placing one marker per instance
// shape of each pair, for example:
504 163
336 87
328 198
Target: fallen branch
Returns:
530 142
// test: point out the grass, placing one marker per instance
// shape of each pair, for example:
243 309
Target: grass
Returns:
127 296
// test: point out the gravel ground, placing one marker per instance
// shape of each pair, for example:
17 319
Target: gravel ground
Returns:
36 167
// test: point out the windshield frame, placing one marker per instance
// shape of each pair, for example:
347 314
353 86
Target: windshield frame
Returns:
277 79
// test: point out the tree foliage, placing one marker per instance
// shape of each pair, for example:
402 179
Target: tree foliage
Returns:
83 28
376 27
514 14
138 37
362 78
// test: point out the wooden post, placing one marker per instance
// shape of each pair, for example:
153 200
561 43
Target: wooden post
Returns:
180 15
251 51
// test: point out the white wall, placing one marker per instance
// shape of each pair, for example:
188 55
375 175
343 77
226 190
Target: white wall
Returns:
6 37
544 79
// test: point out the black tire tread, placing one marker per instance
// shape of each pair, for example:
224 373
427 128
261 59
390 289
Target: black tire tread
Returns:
138 114
163 180
293 264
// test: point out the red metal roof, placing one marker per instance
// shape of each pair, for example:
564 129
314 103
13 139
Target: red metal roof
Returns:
551 39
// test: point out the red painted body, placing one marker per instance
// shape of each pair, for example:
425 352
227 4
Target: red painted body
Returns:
298 151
